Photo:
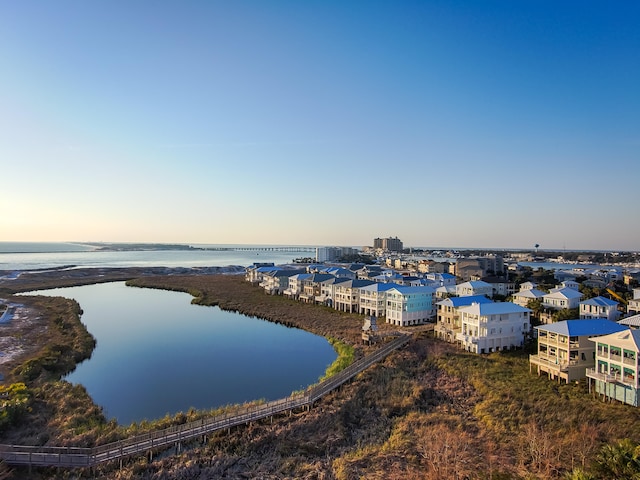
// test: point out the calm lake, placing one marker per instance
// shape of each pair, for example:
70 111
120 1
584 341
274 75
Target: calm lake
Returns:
157 353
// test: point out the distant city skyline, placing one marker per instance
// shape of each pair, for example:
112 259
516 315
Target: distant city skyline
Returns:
462 124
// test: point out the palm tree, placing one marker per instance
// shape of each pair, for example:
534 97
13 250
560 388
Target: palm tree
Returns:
620 461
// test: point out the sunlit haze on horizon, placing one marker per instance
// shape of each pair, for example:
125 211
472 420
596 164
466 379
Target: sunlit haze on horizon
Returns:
462 124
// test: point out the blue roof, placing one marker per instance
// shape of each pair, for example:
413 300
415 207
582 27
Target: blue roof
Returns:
580 328
468 300
380 287
404 289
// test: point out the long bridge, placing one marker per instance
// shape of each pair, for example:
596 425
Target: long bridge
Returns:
262 248
78 457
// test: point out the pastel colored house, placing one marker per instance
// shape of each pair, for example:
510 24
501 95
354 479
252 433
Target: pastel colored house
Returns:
600 307
615 374
409 305
565 349
448 323
490 327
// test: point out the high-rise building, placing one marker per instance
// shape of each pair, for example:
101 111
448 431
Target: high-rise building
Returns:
390 244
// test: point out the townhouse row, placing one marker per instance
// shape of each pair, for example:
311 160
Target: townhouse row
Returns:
402 304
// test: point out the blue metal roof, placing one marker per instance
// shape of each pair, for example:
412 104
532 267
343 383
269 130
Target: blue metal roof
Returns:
580 328
465 301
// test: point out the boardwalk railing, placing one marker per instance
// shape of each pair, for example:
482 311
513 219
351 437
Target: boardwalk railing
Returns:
71 457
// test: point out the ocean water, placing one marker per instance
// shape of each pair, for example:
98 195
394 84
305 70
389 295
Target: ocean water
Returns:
27 256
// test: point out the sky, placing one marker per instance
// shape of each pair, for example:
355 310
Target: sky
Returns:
489 124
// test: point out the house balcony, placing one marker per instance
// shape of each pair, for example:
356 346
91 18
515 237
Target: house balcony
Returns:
552 362
466 338
609 378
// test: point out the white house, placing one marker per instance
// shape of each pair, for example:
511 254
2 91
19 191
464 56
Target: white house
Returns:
409 305
296 285
633 307
599 307
489 327
441 279
616 366
561 298
373 299
528 286
448 315
346 295
476 287
523 297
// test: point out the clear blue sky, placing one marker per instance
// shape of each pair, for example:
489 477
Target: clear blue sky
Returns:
445 123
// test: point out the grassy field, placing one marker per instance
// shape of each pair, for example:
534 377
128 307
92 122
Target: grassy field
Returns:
428 411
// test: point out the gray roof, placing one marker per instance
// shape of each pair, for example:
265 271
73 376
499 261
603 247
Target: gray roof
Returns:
600 302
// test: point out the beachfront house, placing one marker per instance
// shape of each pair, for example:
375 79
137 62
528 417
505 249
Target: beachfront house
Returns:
448 317
312 287
565 350
327 288
277 281
600 307
346 295
409 305
373 299
296 285
490 327
615 373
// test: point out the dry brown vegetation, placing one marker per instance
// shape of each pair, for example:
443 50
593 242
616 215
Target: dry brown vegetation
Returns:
428 411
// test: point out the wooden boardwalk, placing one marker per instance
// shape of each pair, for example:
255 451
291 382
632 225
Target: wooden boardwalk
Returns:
73 457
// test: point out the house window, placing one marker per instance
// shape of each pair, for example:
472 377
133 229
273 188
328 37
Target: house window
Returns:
629 375
603 350
603 367
615 370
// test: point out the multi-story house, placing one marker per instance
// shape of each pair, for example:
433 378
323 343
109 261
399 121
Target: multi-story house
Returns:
448 317
633 307
327 288
523 297
373 299
477 287
561 298
528 286
277 281
312 286
500 285
615 374
599 307
490 327
256 272
441 279
346 295
409 305
296 285
565 350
